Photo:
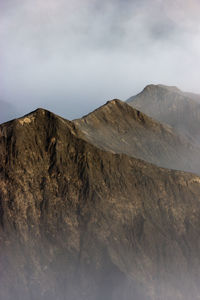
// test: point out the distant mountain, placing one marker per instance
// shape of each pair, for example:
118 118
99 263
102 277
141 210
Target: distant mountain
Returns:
81 223
119 128
172 106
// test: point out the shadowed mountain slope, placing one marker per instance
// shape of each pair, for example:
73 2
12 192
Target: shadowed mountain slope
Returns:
120 128
80 223
171 106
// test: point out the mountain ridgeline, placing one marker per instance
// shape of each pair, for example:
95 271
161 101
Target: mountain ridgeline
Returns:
119 128
87 211
171 106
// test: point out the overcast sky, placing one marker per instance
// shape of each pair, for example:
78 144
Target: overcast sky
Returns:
72 56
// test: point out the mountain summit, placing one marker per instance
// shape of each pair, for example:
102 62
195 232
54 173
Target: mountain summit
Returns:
171 106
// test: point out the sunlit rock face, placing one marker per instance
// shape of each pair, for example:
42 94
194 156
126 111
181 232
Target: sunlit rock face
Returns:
78 222
171 106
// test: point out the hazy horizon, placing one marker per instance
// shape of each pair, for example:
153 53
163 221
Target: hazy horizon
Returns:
72 57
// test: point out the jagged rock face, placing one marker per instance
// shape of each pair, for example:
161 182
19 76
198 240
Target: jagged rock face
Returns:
171 106
81 223
120 128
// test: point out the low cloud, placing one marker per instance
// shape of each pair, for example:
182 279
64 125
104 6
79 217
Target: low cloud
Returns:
70 57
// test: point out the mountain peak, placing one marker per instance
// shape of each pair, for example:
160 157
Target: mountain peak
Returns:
172 88
103 109
171 106
114 101
40 114
117 127
30 117
161 86
114 111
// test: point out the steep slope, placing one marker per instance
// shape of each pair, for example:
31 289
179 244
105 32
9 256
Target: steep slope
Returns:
119 128
78 223
171 106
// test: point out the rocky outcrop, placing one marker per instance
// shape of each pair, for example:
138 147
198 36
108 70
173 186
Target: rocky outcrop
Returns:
78 222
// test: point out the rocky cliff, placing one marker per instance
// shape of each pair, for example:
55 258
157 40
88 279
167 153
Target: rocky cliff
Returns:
78 222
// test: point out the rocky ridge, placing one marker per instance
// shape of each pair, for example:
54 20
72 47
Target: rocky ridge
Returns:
118 127
79 222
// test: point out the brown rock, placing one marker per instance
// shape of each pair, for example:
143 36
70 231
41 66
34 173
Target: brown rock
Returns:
79 222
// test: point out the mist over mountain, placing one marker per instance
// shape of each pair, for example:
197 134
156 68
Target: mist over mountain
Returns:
83 52
119 128
172 106
107 206
78 222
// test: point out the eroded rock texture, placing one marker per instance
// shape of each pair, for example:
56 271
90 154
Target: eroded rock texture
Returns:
78 222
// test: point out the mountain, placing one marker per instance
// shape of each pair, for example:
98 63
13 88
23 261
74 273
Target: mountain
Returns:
78 222
171 106
118 127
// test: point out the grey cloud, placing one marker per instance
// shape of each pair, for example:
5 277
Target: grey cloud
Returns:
73 56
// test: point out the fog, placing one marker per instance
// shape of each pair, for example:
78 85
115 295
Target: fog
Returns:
108 282
71 57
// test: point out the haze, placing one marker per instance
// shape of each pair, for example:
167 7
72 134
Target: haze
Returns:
70 57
